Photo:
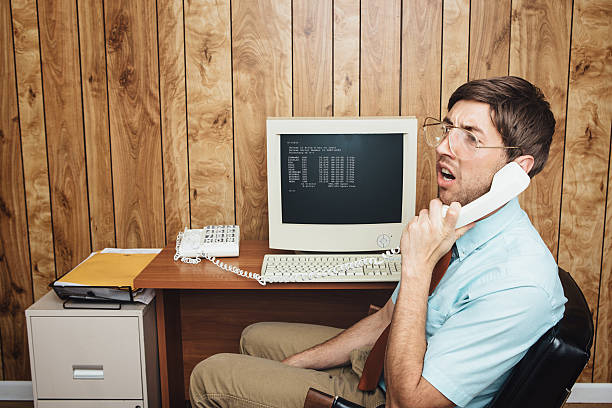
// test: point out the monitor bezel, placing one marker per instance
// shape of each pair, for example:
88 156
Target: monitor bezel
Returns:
339 237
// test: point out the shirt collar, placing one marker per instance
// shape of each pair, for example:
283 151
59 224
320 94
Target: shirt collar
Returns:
486 229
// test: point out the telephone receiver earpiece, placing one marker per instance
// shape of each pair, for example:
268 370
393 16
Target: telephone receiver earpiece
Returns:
508 182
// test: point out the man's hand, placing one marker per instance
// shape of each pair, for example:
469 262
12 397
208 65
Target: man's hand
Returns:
298 360
430 235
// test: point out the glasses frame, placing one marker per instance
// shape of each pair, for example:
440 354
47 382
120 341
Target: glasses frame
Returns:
447 133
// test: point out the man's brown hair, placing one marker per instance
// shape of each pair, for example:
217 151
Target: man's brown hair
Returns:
519 112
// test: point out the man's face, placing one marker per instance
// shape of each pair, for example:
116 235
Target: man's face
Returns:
469 178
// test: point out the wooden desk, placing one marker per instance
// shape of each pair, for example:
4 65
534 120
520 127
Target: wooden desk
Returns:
201 309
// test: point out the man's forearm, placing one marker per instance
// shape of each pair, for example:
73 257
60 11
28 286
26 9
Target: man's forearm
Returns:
335 352
424 241
407 345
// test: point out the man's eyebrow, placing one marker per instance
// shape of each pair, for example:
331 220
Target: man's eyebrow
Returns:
469 128
473 128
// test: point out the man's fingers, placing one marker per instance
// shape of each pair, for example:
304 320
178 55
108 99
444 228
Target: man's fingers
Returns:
435 211
452 215
414 220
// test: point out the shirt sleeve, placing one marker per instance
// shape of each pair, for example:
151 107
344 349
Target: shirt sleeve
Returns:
395 293
483 339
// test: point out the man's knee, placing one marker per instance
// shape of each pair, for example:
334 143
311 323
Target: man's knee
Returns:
207 373
234 380
279 340
254 337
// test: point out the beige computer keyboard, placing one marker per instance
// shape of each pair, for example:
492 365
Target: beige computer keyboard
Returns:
331 268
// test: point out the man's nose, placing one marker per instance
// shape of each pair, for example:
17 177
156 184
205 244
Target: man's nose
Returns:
444 149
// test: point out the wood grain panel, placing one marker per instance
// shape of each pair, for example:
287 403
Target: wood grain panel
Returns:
261 42
95 118
455 48
131 52
59 48
380 57
539 52
346 57
33 143
150 155
489 38
586 171
171 37
226 313
602 358
421 73
15 280
209 107
312 58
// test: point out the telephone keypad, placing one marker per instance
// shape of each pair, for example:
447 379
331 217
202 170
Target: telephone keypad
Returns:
215 240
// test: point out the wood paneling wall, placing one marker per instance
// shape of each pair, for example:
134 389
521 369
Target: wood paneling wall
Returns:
15 278
124 121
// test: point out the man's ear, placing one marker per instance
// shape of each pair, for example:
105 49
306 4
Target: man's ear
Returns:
526 162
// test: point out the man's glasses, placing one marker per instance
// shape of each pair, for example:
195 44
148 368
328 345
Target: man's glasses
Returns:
461 142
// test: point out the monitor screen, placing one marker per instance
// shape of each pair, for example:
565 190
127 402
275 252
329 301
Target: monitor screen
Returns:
341 178
340 184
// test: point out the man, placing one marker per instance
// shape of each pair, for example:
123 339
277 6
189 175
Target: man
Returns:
455 347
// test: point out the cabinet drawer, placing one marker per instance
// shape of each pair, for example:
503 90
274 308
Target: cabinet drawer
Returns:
90 404
87 357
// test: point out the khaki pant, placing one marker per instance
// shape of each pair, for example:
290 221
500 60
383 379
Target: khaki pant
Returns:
257 378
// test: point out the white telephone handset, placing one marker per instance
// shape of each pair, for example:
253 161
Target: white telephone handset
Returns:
508 182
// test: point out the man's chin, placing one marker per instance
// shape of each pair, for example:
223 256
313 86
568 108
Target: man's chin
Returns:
445 196
448 198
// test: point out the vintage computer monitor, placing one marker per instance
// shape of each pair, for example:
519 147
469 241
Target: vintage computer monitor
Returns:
340 184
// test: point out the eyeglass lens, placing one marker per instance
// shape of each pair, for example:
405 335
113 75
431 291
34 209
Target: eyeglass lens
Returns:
461 143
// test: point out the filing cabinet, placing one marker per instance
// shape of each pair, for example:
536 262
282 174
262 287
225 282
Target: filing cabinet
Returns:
93 357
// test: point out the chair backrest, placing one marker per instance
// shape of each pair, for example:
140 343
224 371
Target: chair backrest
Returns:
545 375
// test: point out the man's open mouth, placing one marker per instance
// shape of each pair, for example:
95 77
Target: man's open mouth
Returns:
447 174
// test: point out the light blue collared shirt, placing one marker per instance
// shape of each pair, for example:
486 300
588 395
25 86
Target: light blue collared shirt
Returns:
498 296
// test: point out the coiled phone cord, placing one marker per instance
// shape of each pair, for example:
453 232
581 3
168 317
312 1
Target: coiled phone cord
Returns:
217 262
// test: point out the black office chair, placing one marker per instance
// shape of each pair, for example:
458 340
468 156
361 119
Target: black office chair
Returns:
545 375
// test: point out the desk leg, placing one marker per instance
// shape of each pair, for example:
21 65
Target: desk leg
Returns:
170 348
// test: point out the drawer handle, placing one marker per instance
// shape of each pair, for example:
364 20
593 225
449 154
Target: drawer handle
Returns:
87 372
